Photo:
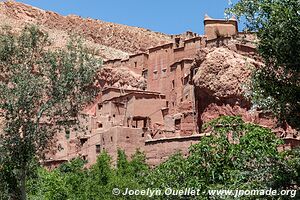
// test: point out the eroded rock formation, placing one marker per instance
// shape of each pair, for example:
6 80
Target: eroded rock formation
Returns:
121 78
110 39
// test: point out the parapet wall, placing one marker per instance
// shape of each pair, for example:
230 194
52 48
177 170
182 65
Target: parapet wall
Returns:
219 28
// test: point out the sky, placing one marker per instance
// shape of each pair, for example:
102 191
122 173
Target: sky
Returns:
166 16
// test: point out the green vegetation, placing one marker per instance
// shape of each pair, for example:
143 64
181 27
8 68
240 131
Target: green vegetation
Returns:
237 155
276 85
43 90
40 90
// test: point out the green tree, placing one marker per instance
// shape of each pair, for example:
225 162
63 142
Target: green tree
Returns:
40 90
170 174
276 85
236 155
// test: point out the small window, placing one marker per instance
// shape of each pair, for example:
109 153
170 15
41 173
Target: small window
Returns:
111 138
100 106
177 42
114 115
135 64
167 104
173 104
145 74
155 74
143 134
100 125
177 124
98 148
164 72
173 84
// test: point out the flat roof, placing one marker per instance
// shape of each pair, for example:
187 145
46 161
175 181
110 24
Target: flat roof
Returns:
194 38
182 60
107 89
113 60
130 92
161 46
138 54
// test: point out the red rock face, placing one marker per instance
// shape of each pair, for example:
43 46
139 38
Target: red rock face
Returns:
112 40
220 89
219 84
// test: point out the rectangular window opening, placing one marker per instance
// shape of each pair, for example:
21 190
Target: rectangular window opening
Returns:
98 148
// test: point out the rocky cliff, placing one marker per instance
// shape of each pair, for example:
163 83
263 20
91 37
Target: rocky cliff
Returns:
221 86
110 39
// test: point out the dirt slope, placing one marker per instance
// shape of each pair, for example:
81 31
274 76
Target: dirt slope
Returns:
110 39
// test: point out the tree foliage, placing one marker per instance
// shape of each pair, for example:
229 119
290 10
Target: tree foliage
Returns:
40 89
72 181
276 86
236 155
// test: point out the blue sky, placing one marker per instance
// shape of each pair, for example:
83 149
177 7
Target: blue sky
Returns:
167 16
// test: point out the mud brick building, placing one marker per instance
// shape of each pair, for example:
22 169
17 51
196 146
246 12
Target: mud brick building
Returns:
162 118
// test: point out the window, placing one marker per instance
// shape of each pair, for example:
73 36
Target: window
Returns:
173 84
111 138
177 124
100 106
155 74
164 72
98 148
177 42
100 125
135 64
145 74
167 104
